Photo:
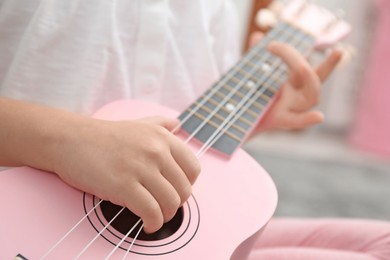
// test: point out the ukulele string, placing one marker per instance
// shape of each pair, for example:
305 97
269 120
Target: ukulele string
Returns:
264 78
98 235
183 121
123 239
238 111
132 243
198 156
220 84
71 230
265 55
210 140
199 127
213 138
242 107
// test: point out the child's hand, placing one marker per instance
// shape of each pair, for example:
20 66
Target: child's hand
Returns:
138 164
292 108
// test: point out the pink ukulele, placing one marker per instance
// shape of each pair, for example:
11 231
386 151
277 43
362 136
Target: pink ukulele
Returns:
232 201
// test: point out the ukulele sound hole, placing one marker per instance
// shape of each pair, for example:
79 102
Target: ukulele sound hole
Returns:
126 220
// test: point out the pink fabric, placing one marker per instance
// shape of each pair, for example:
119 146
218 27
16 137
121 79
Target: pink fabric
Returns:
372 128
319 239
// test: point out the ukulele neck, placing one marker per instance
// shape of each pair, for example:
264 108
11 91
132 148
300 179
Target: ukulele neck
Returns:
226 113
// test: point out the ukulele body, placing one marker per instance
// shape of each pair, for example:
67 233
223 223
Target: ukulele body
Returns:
233 198
232 201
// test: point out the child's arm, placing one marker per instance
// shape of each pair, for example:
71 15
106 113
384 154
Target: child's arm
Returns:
138 164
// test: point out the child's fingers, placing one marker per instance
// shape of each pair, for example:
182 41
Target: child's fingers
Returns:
143 204
325 68
165 194
302 76
302 120
294 60
166 122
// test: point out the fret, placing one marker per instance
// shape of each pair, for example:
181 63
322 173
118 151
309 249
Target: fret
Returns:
217 97
210 111
212 101
239 75
247 67
239 93
266 65
252 114
249 115
228 107
236 137
256 108
209 104
261 102
237 96
222 113
242 129
264 98
270 91
259 76
246 73
219 94
233 131
252 64
267 96
231 83
244 87
227 142
224 110
203 112
202 118
225 92
250 84
276 79
258 73
235 80
243 123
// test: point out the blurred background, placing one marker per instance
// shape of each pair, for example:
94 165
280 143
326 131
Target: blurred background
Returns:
342 167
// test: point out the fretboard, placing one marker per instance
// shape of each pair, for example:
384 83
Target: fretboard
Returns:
227 112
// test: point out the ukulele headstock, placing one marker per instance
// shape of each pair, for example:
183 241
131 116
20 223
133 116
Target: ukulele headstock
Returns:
326 27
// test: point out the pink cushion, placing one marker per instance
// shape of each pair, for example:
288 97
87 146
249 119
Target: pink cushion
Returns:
372 127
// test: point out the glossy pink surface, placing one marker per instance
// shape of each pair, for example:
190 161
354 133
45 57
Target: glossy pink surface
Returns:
232 201
371 131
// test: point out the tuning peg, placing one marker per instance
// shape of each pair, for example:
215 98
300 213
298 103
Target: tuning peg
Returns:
348 53
302 8
266 19
339 15
276 7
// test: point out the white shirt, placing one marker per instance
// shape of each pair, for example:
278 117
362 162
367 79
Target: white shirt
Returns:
81 54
